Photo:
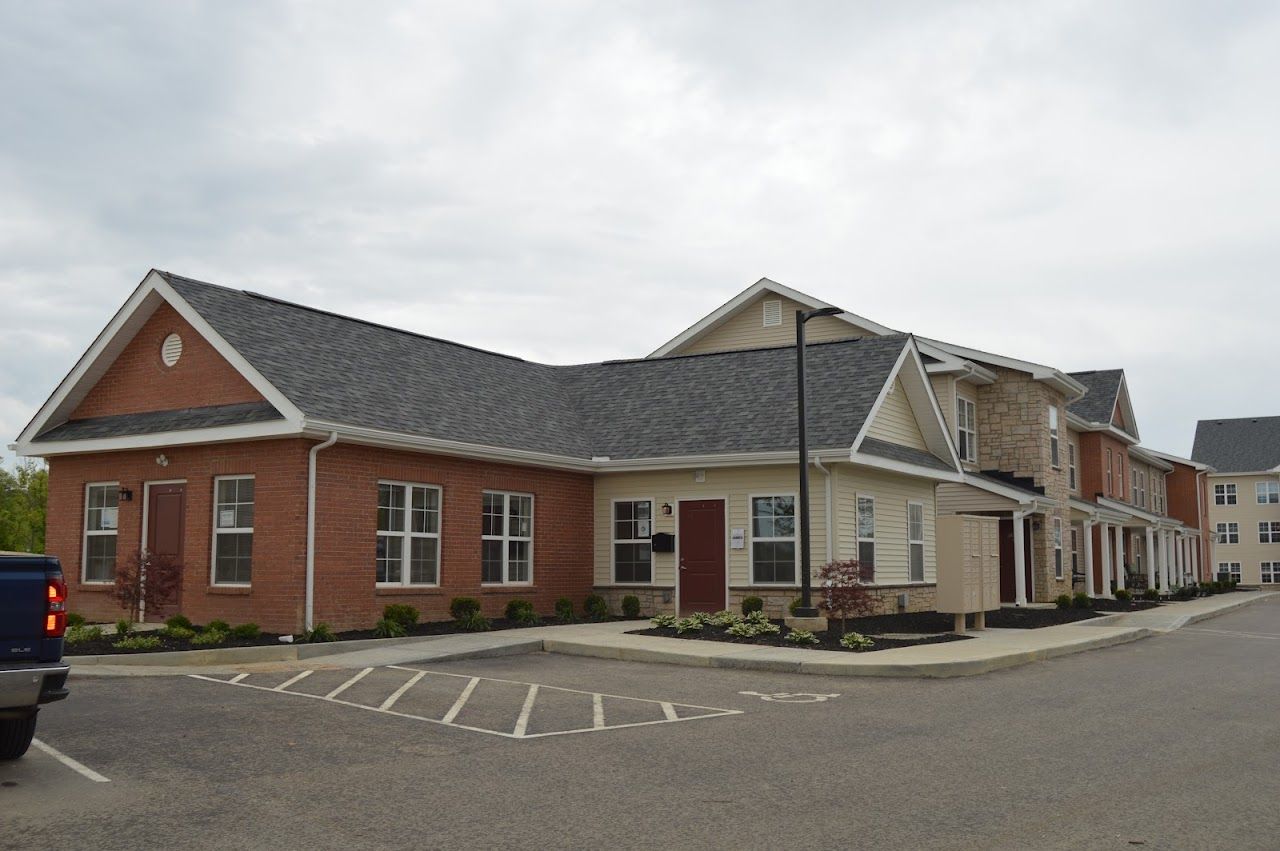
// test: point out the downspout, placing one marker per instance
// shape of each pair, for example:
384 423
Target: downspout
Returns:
817 462
309 620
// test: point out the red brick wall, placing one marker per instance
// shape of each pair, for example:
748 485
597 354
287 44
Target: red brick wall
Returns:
139 381
346 597
1182 486
1093 466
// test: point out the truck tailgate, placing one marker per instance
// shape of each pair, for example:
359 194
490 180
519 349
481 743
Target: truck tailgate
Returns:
22 608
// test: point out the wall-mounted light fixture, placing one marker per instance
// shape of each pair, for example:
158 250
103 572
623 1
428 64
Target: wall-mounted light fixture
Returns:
666 508
162 460
126 495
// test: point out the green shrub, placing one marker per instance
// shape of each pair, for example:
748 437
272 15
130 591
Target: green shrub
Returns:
724 619
564 610
473 622
318 634
74 620
401 613
1063 601
389 628
124 627
858 641
752 604
247 631
631 606
1124 595
208 638
515 607
801 636
218 626
138 642
180 621
1151 594
461 607
665 621
1187 592
688 625
596 607
81 634
750 628
1081 601
793 605
179 632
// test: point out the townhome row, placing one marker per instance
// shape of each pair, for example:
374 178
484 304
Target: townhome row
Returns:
1244 511
303 466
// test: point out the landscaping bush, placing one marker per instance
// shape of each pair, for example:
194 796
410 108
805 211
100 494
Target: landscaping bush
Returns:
725 619
247 631
181 621
163 579
389 628
401 613
703 618
473 622
318 634
1187 592
81 634
208 638
1063 601
138 642
757 617
793 605
461 607
564 610
752 626
631 606
596 607
801 636
218 626
665 621
124 626
179 632
1081 601
1123 595
74 620
843 594
752 604
858 641
1151 594
514 607
688 625
1206 588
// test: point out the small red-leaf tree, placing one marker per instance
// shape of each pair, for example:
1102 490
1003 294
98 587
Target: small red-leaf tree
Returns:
843 594
146 579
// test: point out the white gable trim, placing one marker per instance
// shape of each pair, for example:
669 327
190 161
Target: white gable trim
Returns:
1125 404
1067 385
113 339
161 439
733 305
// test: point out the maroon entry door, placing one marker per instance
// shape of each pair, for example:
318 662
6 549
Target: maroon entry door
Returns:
701 573
1008 568
166 522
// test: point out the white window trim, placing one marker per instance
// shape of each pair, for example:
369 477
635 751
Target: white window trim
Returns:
1224 531
971 432
859 540
1232 569
1262 492
613 541
1229 489
213 546
1055 443
1272 567
911 542
1059 566
752 539
407 536
1110 472
1272 534
506 537
85 534
1135 545
1075 549
1073 473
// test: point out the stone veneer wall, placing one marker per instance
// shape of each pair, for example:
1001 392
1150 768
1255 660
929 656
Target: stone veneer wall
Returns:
920 598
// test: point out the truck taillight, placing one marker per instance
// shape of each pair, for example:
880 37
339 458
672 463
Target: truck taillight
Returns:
55 619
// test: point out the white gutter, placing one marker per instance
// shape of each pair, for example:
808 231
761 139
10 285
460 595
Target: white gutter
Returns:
311 526
817 462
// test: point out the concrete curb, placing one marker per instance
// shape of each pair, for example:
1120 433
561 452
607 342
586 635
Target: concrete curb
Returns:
1250 599
239 655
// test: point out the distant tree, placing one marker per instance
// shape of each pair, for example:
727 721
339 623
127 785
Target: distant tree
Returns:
24 494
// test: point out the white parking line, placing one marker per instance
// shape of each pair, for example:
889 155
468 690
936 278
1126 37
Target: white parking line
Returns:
391 701
238 677
349 683
284 685
522 723
78 767
597 712
460 702
669 711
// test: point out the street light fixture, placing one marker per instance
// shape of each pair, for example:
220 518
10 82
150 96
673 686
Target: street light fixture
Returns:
806 609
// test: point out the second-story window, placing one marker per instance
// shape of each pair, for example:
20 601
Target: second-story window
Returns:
1268 492
1071 467
1228 533
1110 488
1053 436
966 429
1224 494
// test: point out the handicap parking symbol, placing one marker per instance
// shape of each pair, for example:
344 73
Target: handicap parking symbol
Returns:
791 697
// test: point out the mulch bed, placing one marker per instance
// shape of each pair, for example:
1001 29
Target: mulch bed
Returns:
830 640
105 646
1102 604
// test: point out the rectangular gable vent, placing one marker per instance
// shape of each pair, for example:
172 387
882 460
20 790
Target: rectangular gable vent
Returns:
772 313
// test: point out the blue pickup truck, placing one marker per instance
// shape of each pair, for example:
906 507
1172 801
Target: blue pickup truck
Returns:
33 618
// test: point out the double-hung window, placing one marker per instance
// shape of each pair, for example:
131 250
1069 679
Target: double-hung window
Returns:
1228 571
408 548
1075 551
1271 572
1110 489
773 540
101 512
1224 494
632 531
867 537
966 429
233 530
1135 547
506 554
1053 437
1071 466
1057 548
1268 532
1228 533
915 542
1268 492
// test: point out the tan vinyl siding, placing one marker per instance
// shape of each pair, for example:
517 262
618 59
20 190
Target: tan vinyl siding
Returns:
1249 552
895 421
746 330
892 492
956 498
944 387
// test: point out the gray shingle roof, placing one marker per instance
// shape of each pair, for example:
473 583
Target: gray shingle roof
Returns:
1099 403
154 422
1244 445
358 373
897 452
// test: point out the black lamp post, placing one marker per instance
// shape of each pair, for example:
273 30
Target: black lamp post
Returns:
806 609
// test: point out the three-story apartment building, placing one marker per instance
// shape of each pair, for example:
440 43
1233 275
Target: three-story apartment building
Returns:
1242 468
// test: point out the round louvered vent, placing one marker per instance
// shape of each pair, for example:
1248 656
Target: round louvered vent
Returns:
171 349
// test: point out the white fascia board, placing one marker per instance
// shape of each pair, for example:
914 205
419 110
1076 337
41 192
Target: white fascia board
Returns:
1054 377
160 439
1122 395
1152 458
1178 459
875 461
732 306
949 364
1016 494
1124 508
1081 424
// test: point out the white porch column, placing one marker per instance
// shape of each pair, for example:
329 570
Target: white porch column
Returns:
1177 560
1105 590
1019 562
1088 558
1184 554
1119 557
1164 560
1195 558
1151 557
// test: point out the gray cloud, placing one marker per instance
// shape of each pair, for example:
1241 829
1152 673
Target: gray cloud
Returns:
1084 184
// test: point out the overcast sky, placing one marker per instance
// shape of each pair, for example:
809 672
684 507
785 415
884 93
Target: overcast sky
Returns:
1087 185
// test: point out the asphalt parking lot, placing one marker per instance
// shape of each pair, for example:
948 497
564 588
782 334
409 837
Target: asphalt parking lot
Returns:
1171 742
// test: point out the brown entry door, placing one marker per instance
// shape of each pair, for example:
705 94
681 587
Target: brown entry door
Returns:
701 543
166 522
1008 568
